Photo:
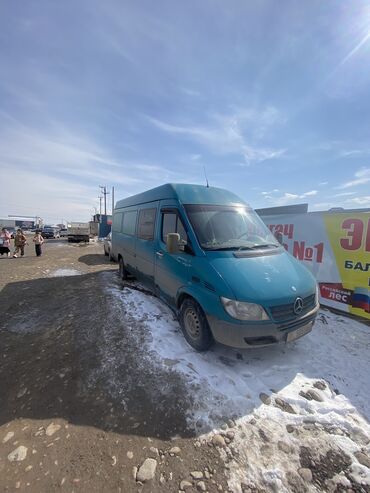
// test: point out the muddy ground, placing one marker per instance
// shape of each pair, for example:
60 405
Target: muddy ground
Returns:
50 338
96 378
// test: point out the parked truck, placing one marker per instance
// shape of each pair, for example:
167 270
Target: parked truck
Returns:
78 232
94 228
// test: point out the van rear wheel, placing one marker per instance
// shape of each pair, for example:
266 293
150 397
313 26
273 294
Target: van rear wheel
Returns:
122 272
195 326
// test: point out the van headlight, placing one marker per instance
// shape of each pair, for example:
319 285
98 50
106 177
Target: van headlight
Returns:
242 310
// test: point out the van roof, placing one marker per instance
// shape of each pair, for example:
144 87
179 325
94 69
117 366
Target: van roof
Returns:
184 193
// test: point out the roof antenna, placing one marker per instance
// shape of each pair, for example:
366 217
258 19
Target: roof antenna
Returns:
205 174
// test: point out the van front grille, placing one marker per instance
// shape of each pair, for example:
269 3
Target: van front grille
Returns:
286 312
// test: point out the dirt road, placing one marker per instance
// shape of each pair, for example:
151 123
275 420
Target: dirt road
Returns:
55 396
96 382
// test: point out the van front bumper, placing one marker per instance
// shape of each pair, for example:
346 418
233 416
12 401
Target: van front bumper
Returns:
244 335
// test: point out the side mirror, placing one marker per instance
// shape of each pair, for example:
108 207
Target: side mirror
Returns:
172 242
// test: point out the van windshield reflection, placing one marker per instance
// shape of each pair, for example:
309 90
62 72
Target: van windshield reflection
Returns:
220 227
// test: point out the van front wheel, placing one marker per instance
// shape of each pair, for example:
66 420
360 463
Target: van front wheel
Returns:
195 326
122 271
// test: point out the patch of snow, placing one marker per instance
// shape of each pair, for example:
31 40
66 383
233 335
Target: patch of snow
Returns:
65 273
227 383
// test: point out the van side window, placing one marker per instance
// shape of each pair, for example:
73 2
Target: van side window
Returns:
117 222
129 222
181 230
146 224
168 224
171 223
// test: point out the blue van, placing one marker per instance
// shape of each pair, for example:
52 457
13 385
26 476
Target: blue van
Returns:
207 254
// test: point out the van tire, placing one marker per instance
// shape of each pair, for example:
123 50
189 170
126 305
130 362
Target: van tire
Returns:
194 325
122 272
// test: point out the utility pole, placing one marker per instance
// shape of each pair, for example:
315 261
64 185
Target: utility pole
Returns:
105 193
100 197
112 200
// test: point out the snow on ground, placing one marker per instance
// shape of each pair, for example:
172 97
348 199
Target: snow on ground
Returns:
315 393
64 273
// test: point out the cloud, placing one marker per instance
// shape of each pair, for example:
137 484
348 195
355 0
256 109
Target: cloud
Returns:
359 201
354 152
56 149
190 92
322 205
225 134
36 193
287 197
349 203
309 194
276 190
57 172
344 194
361 177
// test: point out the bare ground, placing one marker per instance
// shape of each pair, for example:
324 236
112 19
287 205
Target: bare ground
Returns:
52 337
86 401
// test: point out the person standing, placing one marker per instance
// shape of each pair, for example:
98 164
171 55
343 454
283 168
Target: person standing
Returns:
5 237
19 242
38 241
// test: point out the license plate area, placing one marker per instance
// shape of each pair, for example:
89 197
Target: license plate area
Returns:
302 331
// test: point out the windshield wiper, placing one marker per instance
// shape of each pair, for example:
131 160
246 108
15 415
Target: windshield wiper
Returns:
221 248
263 245
242 247
234 247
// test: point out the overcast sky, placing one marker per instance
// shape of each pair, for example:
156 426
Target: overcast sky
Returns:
271 97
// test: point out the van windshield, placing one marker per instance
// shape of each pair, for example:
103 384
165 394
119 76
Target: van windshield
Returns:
220 227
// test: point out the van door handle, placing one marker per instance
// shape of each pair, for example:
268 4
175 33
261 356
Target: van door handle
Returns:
159 253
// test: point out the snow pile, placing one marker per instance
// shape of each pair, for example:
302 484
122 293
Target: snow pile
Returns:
293 435
314 391
65 273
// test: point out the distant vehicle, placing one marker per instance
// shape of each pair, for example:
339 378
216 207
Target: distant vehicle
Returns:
94 228
50 232
208 255
63 233
7 223
108 245
78 232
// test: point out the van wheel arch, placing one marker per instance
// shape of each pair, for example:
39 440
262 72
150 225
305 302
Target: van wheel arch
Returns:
122 272
181 299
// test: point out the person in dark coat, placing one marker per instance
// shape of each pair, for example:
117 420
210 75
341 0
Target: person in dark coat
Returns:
38 241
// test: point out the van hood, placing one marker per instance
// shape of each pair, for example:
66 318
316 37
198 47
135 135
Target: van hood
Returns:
271 279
